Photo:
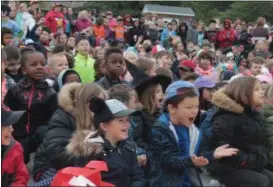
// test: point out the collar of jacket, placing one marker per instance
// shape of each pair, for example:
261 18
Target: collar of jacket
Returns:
221 100
27 82
108 146
81 57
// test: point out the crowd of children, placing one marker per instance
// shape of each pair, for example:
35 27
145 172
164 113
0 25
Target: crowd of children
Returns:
155 102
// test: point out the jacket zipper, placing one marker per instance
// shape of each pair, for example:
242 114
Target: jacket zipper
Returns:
29 105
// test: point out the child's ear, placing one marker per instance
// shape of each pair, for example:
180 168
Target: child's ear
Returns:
171 109
103 127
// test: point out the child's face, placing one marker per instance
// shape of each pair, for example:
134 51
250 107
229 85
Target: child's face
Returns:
166 61
199 28
71 42
159 96
243 63
115 64
44 36
71 78
38 31
205 63
117 129
13 67
180 47
258 95
186 111
212 26
250 56
256 69
7 39
63 39
34 67
60 64
152 71
6 135
133 102
83 47
100 54
102 69
190 45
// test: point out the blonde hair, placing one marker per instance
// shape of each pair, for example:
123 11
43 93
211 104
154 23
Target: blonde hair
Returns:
82 14
83 94
260 21
145 64
51 60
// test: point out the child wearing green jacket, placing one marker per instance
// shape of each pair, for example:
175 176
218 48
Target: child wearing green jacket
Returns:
84 65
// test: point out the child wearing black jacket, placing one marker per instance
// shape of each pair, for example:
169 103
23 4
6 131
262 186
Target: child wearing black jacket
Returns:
35 96
109 143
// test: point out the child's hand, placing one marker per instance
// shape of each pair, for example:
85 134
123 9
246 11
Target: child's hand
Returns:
142 160
199 161
224 151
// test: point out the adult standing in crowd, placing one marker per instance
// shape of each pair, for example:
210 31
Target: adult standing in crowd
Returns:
82 22
226 36
192 32
54 18
260 31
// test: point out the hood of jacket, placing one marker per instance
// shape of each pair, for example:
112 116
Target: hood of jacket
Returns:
221 100
83 144
66 100
63 74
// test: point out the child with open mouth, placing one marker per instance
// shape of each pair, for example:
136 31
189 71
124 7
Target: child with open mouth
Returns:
175 141
14 171
109 143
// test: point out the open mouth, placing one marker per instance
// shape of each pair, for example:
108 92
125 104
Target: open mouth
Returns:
191 119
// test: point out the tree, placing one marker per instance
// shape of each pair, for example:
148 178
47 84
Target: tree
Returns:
249 11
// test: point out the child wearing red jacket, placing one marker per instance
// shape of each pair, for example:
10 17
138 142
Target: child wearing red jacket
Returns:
55 18
13 169
226 36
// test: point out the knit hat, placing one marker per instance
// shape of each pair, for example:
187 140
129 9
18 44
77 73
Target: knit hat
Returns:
187 64
204 82
173 89
157 48
105 111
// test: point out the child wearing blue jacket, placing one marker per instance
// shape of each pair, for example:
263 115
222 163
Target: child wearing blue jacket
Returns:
175 140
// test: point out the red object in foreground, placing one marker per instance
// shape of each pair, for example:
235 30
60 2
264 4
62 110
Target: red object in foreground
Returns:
88 176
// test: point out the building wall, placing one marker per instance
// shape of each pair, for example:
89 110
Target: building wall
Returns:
171 17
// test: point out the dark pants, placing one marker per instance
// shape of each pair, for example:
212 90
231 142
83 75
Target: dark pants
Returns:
32 142
248 178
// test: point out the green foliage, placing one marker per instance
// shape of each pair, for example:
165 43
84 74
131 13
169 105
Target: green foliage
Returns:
249 11
204 10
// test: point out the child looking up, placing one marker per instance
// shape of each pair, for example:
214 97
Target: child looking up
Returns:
34 95
84 65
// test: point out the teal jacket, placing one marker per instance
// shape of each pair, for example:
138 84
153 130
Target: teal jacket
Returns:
85 68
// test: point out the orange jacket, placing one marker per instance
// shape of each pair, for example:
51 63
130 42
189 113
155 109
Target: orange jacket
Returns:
99 31
119 33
